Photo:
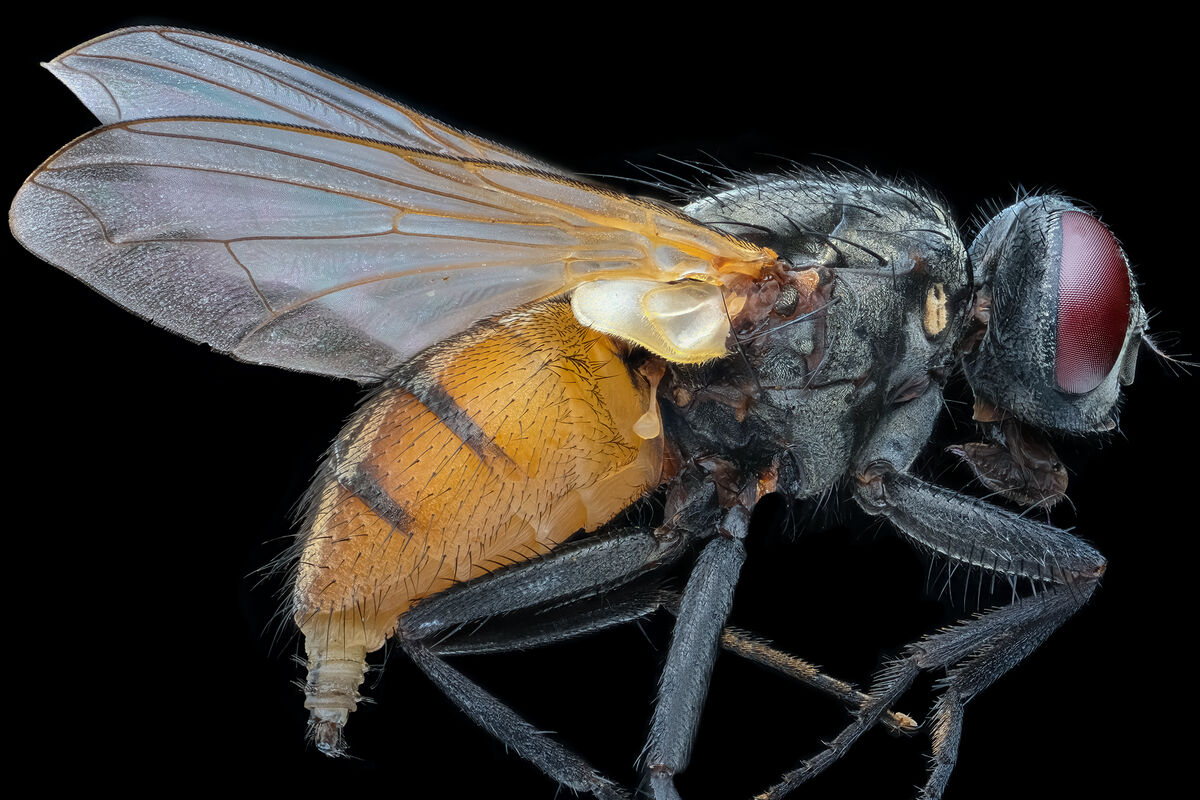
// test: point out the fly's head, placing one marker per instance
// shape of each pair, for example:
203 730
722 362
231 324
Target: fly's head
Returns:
1056 316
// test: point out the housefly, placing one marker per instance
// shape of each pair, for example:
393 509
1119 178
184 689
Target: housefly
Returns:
693 380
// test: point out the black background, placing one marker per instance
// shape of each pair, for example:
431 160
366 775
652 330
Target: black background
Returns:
152 479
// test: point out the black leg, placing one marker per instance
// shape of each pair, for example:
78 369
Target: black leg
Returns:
574 571
586 587
976 653
558 624
945 733
565 578
569 572
538 628
702 612
500 721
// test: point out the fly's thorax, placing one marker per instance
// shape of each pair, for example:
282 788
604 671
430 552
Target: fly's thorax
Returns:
879 331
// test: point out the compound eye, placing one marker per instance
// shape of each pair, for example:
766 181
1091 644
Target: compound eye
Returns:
1093 303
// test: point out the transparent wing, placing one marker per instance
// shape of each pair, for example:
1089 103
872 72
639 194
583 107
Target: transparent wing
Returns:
143 73
320 252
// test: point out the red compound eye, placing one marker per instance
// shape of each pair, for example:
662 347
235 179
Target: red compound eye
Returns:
1093 303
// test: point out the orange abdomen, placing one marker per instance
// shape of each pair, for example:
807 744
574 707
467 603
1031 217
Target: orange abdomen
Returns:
487 449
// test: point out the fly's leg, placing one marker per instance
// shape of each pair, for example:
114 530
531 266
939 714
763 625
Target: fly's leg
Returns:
975 653
552 758
564 577
755 649
569 572
1001 543
558 623
596 613
703 609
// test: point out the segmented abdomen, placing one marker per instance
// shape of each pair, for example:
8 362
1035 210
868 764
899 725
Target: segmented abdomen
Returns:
487 449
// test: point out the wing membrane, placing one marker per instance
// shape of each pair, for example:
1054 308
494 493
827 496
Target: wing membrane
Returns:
321 252
142 73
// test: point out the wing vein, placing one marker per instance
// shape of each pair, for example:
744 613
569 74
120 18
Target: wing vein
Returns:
253 283
379 277
396 150
112 97
413 117
274 78
201 79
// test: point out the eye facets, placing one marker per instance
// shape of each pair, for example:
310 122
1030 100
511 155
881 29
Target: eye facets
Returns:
1093 303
